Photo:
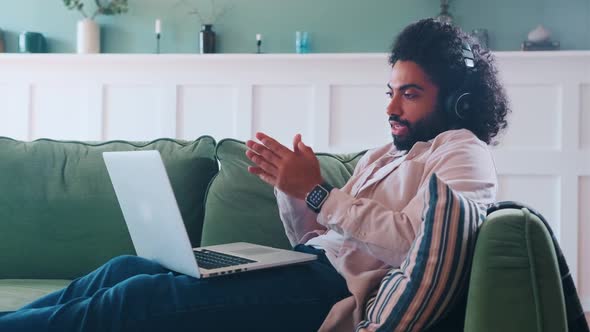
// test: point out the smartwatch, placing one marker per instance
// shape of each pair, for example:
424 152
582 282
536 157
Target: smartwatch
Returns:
316 198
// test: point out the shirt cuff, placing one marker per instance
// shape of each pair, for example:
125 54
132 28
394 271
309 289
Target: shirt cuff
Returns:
336 204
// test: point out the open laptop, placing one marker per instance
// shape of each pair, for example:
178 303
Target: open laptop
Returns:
157 230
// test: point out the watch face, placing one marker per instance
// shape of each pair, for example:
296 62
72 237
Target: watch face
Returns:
317 196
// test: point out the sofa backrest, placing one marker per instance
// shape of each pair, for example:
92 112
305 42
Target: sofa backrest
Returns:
59 216
241 207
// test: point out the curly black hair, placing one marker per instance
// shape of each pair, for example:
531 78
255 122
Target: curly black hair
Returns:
438 49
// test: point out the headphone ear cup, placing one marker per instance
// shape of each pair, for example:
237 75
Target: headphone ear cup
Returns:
457 104
450 103
463 105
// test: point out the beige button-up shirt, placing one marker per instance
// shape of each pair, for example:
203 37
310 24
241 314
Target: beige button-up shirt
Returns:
368 226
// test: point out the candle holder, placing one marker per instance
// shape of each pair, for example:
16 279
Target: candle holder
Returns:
258 43
158 43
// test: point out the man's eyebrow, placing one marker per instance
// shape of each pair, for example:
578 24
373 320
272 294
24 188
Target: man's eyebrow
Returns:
406 86
412 85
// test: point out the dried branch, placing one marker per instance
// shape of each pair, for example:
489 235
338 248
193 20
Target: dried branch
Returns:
215 12
111 7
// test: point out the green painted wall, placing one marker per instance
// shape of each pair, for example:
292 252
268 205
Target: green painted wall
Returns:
334 25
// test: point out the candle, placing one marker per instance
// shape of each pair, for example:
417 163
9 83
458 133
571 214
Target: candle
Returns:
158 26
258 37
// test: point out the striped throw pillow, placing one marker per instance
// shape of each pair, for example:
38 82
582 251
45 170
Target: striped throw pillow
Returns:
435 272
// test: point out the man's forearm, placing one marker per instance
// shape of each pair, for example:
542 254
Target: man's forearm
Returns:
298 219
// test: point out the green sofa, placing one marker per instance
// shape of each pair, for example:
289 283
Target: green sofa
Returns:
59 219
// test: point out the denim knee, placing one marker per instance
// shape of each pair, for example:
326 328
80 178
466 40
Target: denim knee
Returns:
124 260
138 264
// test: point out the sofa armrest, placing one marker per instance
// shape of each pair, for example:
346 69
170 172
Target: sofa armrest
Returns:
515 284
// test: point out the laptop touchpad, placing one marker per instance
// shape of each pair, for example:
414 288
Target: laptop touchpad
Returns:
255 251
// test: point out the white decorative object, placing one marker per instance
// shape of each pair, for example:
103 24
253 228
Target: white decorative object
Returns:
88 37
158 26
539 34
88 32
158 30
258 43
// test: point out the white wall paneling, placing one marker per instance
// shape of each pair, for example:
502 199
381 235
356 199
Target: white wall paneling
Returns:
336 101
15 110
282 111
519 188
585 117
537 124
320 122
96 115
133 112
207 109
60 110
357 117
169 108
583 238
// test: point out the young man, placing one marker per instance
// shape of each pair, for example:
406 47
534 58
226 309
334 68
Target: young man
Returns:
446 105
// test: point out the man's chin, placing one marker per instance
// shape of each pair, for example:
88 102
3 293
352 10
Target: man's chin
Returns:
402 143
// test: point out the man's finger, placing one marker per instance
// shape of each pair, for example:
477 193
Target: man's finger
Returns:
273 145
304 148
261 162
307 152
264 152
268 178
296 141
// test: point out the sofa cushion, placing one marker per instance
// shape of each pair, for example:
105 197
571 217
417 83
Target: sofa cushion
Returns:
59 216
433 275
15 293
241 207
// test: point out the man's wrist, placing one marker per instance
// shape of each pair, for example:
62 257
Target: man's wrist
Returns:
316 198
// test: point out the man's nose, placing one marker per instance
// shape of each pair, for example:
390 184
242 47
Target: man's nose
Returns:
393 106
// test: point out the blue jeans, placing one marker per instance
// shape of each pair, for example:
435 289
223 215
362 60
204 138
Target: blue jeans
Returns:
134 294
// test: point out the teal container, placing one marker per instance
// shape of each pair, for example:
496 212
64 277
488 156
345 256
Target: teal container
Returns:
32 42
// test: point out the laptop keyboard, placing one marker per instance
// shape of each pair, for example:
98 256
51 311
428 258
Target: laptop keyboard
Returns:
208 259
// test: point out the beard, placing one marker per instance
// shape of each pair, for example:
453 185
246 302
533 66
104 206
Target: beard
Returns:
422 130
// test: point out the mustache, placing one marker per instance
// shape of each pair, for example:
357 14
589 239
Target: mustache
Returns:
397 119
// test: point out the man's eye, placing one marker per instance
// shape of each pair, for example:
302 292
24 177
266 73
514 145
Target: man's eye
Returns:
409 95
389 93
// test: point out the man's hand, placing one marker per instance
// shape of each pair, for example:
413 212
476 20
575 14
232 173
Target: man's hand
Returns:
293 172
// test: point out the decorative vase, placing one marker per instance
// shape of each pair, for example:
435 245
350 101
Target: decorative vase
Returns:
207 44
88 40
539 34
444 16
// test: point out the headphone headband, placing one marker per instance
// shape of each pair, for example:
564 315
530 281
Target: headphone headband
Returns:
468 56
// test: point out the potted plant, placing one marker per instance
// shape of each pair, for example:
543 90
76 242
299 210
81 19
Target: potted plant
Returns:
88 32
